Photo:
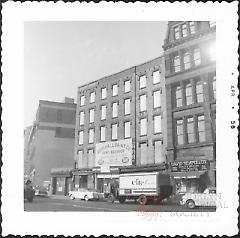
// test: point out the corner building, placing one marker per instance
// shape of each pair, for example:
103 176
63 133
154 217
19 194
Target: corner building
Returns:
124 110
190 80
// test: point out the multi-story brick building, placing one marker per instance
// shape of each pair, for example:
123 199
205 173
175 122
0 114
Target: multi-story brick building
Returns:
190 76
126 109
51 143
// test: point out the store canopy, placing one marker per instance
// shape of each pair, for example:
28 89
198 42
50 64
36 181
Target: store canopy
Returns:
192 174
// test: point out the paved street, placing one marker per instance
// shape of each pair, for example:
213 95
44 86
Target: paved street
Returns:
65 204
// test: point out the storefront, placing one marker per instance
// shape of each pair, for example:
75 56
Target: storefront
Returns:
61 181
190 176
83 178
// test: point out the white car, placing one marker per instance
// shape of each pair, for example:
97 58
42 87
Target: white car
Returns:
207 198
84 193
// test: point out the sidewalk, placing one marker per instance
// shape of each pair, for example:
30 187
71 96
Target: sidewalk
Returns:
54 196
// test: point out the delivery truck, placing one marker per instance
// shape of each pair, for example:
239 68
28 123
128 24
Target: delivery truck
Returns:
141 187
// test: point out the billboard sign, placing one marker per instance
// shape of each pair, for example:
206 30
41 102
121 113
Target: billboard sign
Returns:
114 153
189 166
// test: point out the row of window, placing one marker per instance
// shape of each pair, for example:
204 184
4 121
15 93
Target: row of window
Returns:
188 28
192 92
190 130
191 58
143 155
127 88
127 130
127 107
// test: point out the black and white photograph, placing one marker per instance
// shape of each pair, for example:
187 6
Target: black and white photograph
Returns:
121 118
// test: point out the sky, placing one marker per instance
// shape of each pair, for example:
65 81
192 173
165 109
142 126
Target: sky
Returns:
60 56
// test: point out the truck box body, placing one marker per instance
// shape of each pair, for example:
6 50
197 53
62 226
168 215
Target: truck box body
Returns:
136 184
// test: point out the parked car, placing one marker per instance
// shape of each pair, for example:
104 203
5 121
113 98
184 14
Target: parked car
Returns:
207 198
40 191
84 193
28 191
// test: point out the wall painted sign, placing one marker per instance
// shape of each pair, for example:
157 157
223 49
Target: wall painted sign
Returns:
114 153
188 166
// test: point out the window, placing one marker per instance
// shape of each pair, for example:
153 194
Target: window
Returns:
156 77
199 92
115 90
127 129
143 126
127 86
80 159
91 118
115 109
144 153
143 103
214 87
179 131
201 128
81 118
102 133
179 96
176 62
192 27
176 33
157 124
104 93
143 81
196 57
190 130
184 30
158 152
114 131
91 136
82 100
90 158
189 98
212 23
186 60
103 112
80 138
156 99
127 106
92 97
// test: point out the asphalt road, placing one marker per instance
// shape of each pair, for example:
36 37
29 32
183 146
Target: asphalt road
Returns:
66 204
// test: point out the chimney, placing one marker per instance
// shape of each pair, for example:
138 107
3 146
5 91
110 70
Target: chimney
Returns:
68 100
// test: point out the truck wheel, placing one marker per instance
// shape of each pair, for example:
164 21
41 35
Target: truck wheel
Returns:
110 198
122 200
190 203
72 197
86 198
142 200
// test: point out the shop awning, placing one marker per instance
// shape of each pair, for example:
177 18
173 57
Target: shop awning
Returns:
192 174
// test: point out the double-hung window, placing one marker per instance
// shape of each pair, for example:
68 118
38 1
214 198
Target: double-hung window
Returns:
190 130
82 100
184 30
143 103
192 27
114 109
91 136
214 87
114 131
102 133
80 138
186 60
127 86
143 81
156 77
143 126
91 117
201 128
114 90
127 106
127 129
179 101
179 126
189 95
157 124
196 57
81 118
199 92
176 63
104 93
176 33
92 97
156 99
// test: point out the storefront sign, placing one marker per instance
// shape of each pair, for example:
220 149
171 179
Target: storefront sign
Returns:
189 166
114 153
